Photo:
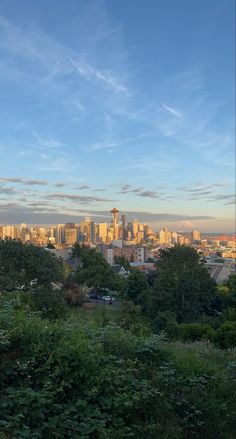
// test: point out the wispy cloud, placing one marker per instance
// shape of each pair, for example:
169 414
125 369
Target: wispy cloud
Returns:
55 58
76 198
172 111
23 181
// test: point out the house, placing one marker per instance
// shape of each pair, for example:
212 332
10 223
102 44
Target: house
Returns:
119 269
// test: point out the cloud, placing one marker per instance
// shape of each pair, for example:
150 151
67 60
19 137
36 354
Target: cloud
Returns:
7 190
49 143
141 192
87 71
59 184
55 58
23 181
77 198
172 111
46 214
83 187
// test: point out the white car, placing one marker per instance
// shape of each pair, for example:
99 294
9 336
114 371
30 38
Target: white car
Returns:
107 299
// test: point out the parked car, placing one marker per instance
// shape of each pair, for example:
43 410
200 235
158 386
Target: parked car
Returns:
108 299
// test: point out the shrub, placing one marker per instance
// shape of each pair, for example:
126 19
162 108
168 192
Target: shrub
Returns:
166 321
49 302
225 335
196 331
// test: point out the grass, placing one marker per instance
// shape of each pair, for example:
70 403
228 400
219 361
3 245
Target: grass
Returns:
193 357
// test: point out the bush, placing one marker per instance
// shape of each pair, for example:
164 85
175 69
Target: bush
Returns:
49 302
225 336
67 380
196 331
166 321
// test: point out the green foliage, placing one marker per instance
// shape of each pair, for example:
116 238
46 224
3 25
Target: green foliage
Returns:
49 302
182 286
226 335
196 331
67 380
165 321
73 294
94 271
121 260
20 264
137 288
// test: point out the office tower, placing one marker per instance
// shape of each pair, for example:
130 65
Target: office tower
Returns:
123 227
180 239
10 231
70 233
135 228
60 233
24 233
52 232
145 231
102 232
39 235
196 236
174 237
87 230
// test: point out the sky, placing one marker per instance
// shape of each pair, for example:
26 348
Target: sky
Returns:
127 104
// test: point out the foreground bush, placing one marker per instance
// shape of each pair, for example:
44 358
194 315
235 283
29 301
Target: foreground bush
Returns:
65 380
195 332
225 335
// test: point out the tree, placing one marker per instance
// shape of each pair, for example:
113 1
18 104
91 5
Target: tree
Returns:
121 260
94 270
22 265
137 288
182 285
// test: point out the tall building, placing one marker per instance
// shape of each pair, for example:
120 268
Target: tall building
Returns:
60 234
10 231
115 222
70 233
123 227
87 230
180 239
102 232
174 237
165 236
195 235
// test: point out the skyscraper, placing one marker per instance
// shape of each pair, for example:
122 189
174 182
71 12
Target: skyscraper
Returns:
70 233
196 235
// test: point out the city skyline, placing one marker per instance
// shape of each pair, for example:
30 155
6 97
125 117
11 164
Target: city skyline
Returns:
113 104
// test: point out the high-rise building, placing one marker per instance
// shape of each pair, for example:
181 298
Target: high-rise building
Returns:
87 230
60 234
123 227
196 236
10 231
70 233
174 237
102 232
180 239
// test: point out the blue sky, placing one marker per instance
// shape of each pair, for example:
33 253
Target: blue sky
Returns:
118 103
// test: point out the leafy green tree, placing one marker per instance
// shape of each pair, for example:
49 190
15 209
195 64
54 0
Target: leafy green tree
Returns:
121 260
231 284
137 288
182 285
23 264
93 270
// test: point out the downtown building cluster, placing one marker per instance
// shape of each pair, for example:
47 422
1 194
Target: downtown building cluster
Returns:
134 240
